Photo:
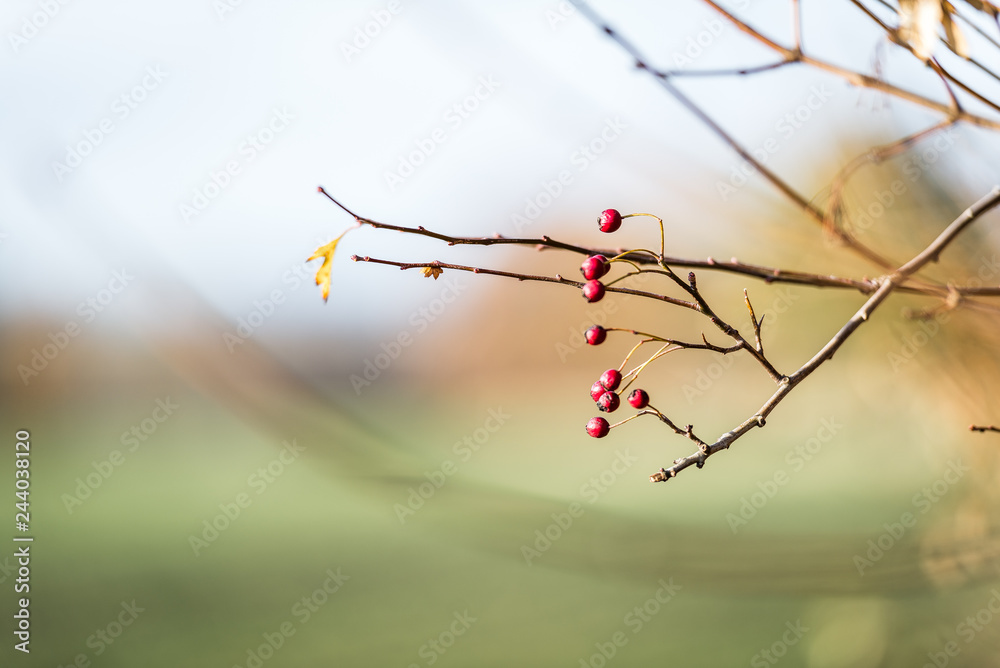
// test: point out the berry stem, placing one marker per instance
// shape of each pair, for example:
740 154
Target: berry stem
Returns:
630 418
623 256
660 220
633 375
634 273
630 353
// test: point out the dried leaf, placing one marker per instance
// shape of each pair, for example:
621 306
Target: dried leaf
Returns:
984 6
323 275
918 22
433 272
954 37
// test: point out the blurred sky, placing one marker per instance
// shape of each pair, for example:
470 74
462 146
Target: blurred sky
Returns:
350 117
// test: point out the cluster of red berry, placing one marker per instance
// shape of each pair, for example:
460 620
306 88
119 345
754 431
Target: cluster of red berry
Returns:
603 391
596 266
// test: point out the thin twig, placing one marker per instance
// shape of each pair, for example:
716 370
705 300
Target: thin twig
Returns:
681 344
524 277
728 72
688 432
755 321
857 78
888 284
973 427
789 54
972 24
797 25
733 266
933 63
875 156
691 287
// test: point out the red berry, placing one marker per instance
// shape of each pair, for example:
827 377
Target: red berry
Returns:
593 291
596 391
610 379
595 335
638 399
610 220
598 427
595 266
608 402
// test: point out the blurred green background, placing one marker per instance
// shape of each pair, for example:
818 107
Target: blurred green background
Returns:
203 502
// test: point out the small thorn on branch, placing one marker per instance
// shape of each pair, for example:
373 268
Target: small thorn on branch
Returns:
755 321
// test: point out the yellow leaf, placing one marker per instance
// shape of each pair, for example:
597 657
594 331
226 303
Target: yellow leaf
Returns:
433 271
323 275
918 22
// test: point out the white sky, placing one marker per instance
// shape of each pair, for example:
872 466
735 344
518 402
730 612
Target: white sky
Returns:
351 122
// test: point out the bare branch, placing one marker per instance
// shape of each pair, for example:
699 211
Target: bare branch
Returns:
859 79
680 344
728 72
524 277
733 266
875 156
933 63
788 54
797 25
888 284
